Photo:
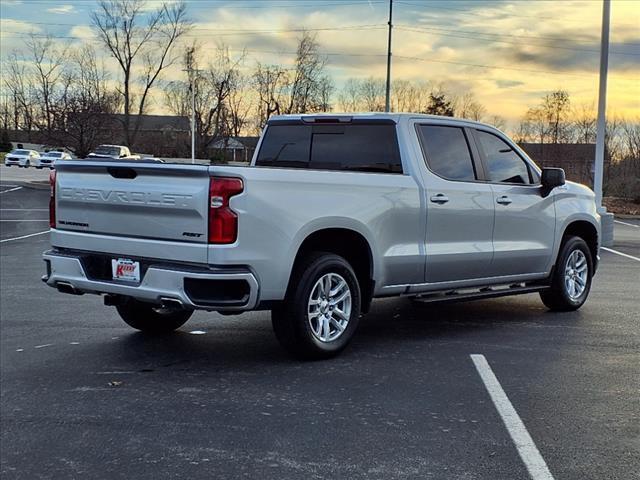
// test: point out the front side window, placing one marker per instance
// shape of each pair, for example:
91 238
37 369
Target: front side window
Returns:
503 163
352 147
447 152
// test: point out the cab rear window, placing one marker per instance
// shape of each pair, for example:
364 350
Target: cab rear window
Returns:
351 147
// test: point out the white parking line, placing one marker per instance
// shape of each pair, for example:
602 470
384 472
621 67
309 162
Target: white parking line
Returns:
527 450
627 224
23 236
10 190
611 250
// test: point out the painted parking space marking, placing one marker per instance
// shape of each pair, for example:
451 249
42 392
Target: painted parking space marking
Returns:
10 190
536 466
611 250
44 346
24 236
627 224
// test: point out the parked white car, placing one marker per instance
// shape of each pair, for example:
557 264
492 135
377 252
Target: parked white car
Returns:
48 159
22 158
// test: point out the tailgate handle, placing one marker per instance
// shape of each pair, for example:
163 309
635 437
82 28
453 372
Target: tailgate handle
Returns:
122 172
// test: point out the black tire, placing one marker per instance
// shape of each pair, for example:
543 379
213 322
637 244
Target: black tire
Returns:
558 297
150 318
291 322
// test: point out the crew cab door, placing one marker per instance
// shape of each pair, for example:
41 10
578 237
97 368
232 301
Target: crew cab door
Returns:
524 229
460 208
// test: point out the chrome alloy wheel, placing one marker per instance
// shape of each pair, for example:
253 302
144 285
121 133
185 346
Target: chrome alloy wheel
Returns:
329 307
576 273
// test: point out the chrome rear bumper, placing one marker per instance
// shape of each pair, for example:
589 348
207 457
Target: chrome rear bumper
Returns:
159 284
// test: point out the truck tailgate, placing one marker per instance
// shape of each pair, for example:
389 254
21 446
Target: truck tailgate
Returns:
133 199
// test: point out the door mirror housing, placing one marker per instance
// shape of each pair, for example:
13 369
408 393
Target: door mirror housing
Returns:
552 178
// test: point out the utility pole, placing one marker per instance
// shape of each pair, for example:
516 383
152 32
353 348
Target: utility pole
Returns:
606 218
192 72
387 102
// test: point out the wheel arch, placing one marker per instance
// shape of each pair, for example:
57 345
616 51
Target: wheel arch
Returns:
350 244
586 230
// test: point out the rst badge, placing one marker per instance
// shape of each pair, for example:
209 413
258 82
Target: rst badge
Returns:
125 269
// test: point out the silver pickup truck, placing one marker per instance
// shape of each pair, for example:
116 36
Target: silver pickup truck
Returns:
333 212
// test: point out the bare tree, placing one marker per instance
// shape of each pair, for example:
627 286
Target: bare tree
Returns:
556 107
372 94
48 59
498 122
584 122
21 91
84 112
349 97
219 108
469 107
139 41
271 83
310 87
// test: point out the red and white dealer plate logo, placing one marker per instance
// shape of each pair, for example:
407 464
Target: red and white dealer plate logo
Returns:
125 269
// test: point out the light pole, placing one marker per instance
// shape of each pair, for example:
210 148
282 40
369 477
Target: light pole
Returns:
606 218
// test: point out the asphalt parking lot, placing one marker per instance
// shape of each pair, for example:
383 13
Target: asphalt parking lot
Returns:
83 395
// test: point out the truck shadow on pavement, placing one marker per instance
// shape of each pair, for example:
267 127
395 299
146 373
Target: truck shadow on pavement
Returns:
390 326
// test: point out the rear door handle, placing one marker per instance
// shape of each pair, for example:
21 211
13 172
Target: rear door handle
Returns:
504 200
439 198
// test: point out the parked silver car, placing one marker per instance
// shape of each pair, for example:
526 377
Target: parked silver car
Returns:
333 212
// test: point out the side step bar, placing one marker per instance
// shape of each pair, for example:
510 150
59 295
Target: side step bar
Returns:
478 294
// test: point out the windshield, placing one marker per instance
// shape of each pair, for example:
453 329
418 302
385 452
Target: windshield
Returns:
54 154
102 150
20 152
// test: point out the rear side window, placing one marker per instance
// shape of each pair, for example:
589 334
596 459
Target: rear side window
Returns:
503 163
447 152
354 147
285 146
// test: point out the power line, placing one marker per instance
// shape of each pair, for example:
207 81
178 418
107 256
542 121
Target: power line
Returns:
241 7
466 34
468 12
496 67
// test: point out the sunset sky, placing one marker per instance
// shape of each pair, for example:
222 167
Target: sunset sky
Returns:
509 53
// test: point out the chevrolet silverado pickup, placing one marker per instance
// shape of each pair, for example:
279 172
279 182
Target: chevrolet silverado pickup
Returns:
333 212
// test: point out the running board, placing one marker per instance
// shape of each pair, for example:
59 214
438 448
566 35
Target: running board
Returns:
477 294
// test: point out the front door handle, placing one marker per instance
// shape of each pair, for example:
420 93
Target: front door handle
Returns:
504 200
439 198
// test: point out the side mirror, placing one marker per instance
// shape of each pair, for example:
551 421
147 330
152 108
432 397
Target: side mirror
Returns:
551 178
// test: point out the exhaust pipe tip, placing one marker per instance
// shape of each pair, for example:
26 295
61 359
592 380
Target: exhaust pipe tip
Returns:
172 303
64 287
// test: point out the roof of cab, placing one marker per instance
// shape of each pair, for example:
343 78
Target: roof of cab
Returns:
395 117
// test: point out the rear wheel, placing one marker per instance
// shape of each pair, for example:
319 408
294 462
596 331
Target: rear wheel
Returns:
321 312
571 281
150 318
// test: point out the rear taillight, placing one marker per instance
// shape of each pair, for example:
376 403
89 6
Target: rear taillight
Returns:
223 222
52 199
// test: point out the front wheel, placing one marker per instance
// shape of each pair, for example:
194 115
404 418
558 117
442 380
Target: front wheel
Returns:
321 311
571 280
150 318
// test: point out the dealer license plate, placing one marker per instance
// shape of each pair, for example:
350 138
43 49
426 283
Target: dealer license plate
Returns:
125 269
